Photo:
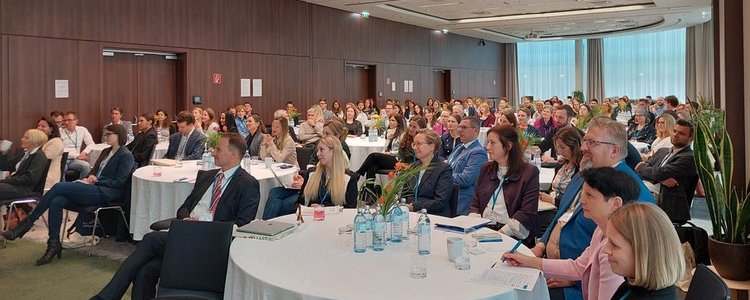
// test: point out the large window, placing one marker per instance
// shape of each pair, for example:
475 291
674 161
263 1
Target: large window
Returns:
645 64
546 69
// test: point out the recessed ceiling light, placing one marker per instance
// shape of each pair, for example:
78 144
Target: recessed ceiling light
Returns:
445 31
365 14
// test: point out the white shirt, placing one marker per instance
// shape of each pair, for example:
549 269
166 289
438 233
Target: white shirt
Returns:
201 209
74 140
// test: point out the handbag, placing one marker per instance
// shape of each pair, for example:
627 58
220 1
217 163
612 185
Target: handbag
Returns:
20 213
697 238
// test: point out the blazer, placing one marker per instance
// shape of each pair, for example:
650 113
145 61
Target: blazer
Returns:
193 148
351 179
638 292
253 142
53 149
143 145
577 232
520 191
26 179
114 175
489 122
675 201
466 168
591 267
434 188
238 203
446 147
287 154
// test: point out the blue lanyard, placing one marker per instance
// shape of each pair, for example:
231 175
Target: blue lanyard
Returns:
324 196
626 295
497 192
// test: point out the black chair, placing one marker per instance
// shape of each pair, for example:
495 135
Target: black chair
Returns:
706 285
195 260
34 197
63 164
454 200
303 156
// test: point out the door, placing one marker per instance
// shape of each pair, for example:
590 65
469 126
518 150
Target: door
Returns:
441 86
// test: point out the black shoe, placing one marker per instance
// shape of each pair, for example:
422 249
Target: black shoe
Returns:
54 248
18 232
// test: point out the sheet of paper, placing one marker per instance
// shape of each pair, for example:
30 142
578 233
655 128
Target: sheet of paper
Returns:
411 86
61 89
257 87
493 247
507 276
406 86
244 87
393 86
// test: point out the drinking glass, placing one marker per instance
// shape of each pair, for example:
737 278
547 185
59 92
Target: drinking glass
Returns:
418 266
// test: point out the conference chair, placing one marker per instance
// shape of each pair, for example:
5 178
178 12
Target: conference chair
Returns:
453 202
33 198
706 285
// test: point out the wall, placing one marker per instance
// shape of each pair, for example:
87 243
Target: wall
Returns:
298 49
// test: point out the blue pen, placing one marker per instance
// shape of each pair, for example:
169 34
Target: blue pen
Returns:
513 250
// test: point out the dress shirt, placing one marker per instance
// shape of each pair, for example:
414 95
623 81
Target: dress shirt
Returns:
74 140
201 209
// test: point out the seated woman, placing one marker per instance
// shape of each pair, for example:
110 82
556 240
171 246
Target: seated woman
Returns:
335 129
104 185
163 125
546 123
330 182
208 120
568 145
642 130
311 130
523 122
664 128
388 158
451 138
508 188
29 167
53 149
279 145
353 126
604 190
142 146
255 132
431 189
645 250
486 116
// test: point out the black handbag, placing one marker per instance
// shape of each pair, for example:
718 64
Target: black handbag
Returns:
697 238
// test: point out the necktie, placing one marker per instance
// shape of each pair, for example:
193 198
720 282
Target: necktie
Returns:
216 195
181 148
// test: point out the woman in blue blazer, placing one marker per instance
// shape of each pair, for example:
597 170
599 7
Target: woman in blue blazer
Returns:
104 185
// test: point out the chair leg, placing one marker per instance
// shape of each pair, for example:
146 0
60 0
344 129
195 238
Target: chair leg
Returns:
122 213
64 226
93 231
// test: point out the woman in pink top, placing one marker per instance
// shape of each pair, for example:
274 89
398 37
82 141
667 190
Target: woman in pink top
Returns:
604 190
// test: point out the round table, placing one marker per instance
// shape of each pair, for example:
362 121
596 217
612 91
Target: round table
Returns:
158 198
96 150
317 262
483 135
361 148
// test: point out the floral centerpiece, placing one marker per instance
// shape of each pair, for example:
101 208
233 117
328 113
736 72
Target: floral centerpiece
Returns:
528 139
293 115
388 196
212 139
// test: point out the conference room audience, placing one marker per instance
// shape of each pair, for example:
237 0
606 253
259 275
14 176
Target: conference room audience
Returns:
451 138
441 124
255 132
312 129
563 115
28 168
623 112
235 201
115 117
353 125
507 189
143 145
335 129
208 120
486 115
664 129
643 248
53 149
642 130
523 115
279 145
466 161
187 143
391 152
605 190
78 142
545 123
568 144
431 189
103 185
163 124
239 125
198 117
282 113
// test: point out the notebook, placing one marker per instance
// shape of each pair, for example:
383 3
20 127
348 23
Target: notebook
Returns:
265 228
458 224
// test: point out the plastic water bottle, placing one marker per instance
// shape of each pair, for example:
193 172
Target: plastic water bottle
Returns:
405 219
206 159
246 161
378 230
360 232
368 216
424 228
397 224
131 137
372 134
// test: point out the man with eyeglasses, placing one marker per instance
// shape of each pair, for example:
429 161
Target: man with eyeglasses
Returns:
77 141
604 145
466 161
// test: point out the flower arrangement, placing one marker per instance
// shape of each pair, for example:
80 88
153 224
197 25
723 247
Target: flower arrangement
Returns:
293 114
596 111
212 139
528 139
390 194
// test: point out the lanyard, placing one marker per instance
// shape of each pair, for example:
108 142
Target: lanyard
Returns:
75 139
626 295
497 192
328 189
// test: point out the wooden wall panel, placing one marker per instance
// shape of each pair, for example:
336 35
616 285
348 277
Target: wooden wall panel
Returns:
327 79
60 63
157 84
88 87
26 92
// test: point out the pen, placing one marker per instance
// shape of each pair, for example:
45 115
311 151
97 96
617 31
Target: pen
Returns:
513 250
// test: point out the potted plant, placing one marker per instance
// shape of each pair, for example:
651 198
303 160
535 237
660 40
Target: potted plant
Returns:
727 206
578 94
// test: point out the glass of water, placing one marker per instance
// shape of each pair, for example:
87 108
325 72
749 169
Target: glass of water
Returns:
463 262
469 240
418 266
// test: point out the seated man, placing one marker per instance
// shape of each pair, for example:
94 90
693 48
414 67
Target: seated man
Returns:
186 144
74 138
466 162
115 116
671 174
226 195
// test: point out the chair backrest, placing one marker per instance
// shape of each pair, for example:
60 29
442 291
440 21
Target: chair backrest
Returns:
195 258
706 285
454 200
303 156
39 187
63 164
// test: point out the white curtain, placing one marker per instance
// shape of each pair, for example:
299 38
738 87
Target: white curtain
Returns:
546 69
511 73
595 70
699 63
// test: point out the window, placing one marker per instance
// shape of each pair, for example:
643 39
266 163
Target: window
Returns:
546 69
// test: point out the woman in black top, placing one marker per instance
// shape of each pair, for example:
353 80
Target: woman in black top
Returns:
354 127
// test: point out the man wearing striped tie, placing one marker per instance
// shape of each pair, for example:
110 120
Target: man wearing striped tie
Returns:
229 194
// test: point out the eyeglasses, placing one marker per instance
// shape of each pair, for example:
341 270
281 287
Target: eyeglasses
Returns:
594 143
69 120
417 145
465 127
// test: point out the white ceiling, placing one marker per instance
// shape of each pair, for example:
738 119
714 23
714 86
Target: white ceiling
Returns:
510 21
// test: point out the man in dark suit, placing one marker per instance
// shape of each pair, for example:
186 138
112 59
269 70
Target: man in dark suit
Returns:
186 143
227 195
145 141
563 115
466 161
671 174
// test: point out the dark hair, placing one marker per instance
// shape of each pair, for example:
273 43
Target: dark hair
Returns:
572 138
235 141
686 123
474 121
511 118
185 117
408 138
55 114
117 109
569 112
149 117
672 100
508 136
167 121
257 119
611 183
53 130
122 136
399 128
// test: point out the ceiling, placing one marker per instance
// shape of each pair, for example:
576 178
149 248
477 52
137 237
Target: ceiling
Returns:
511 21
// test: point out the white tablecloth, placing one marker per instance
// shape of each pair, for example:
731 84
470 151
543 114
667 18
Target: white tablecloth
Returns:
96 150
157 198
483 135
318 263
545 178
361 148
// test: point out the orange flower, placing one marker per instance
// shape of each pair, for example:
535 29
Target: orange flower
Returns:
391 175
381 200
401 166
524 143
388 188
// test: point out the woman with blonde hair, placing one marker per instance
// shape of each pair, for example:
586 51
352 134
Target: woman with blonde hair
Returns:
644 248
198 116
279 145
664 127
28 167
486 116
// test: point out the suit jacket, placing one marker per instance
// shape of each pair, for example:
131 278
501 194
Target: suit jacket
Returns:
115 174
125 124
142 146
466 169
28 177
520 191
434 189
675 201
253 142
238 203
193 148
350 196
